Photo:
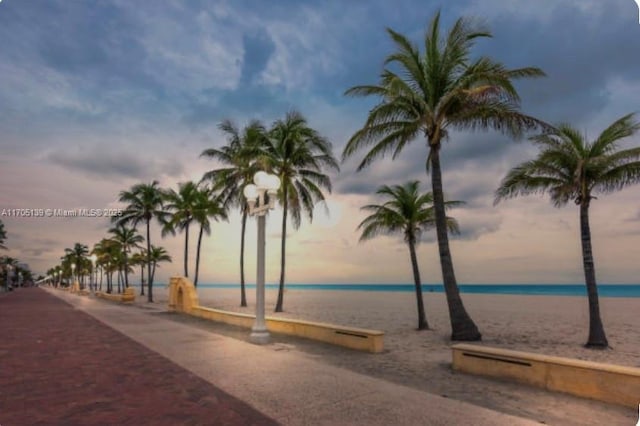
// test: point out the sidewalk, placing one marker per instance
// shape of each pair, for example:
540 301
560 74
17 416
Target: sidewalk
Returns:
289 386
60 366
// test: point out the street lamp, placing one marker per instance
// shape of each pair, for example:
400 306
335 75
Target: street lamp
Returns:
259 205
73 275
94 276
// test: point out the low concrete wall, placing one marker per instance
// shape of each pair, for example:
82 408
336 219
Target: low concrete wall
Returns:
604 382
129 296
183 298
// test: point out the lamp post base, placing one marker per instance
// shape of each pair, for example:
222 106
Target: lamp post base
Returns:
259 337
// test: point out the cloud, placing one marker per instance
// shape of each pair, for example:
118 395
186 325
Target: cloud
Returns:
118 164
476 223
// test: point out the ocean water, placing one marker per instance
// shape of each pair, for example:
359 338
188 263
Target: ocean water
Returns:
604 290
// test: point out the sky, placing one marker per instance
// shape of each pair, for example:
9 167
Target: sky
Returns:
96 96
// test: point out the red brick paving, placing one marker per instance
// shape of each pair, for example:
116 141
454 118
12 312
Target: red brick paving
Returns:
60 366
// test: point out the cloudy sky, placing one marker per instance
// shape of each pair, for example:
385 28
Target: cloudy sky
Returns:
96 96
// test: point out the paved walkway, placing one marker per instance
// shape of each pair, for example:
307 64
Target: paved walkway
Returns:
287 385
60 366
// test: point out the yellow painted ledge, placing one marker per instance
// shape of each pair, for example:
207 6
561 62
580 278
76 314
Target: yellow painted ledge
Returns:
129 296
183 298
604 382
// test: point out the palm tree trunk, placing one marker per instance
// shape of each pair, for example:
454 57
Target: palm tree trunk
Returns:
195 278
150 280
422 318
283 246
243 293
119 279
186 250
462 326
142 280
126 269
597 337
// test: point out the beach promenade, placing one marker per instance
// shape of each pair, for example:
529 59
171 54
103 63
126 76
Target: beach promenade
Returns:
94 362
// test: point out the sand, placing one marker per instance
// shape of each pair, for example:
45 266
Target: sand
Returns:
551 325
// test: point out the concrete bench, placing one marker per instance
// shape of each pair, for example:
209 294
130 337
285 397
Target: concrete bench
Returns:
350 337
603 382
183 298
128 296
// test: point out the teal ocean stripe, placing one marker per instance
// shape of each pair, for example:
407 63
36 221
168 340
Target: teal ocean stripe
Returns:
604 290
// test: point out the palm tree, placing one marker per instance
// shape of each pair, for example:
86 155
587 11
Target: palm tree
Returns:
127 238
3 236
406 211
298 154
102 250
181 205
144 203
139 259
208 205
240 158
436 91
77 256
8 262
569 167
157 255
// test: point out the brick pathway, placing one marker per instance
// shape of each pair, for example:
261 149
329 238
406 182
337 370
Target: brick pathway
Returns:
60 366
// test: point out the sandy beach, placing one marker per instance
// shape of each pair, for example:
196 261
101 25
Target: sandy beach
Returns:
549 325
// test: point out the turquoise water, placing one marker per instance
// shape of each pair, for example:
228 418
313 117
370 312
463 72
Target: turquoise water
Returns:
604 290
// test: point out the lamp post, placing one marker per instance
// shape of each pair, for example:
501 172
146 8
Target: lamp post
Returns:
94 276
259 205
73 276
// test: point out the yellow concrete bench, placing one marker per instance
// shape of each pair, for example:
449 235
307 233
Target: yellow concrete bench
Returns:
603 382
350 337
183 298
128 296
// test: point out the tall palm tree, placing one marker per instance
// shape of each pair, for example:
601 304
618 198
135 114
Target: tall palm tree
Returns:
139 259
144 203
239 157
102 251
405 210
157 256
77 256
433 92
181 205
569 167
208 205
127 239
299 155
3 236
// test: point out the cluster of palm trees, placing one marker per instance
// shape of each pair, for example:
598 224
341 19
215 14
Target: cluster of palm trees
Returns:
290 149
426 92
431 92
3 236
175 211
11 268
115 254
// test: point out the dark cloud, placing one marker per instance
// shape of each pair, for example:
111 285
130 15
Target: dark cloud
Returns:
472 234
117 164
580 50
258 48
